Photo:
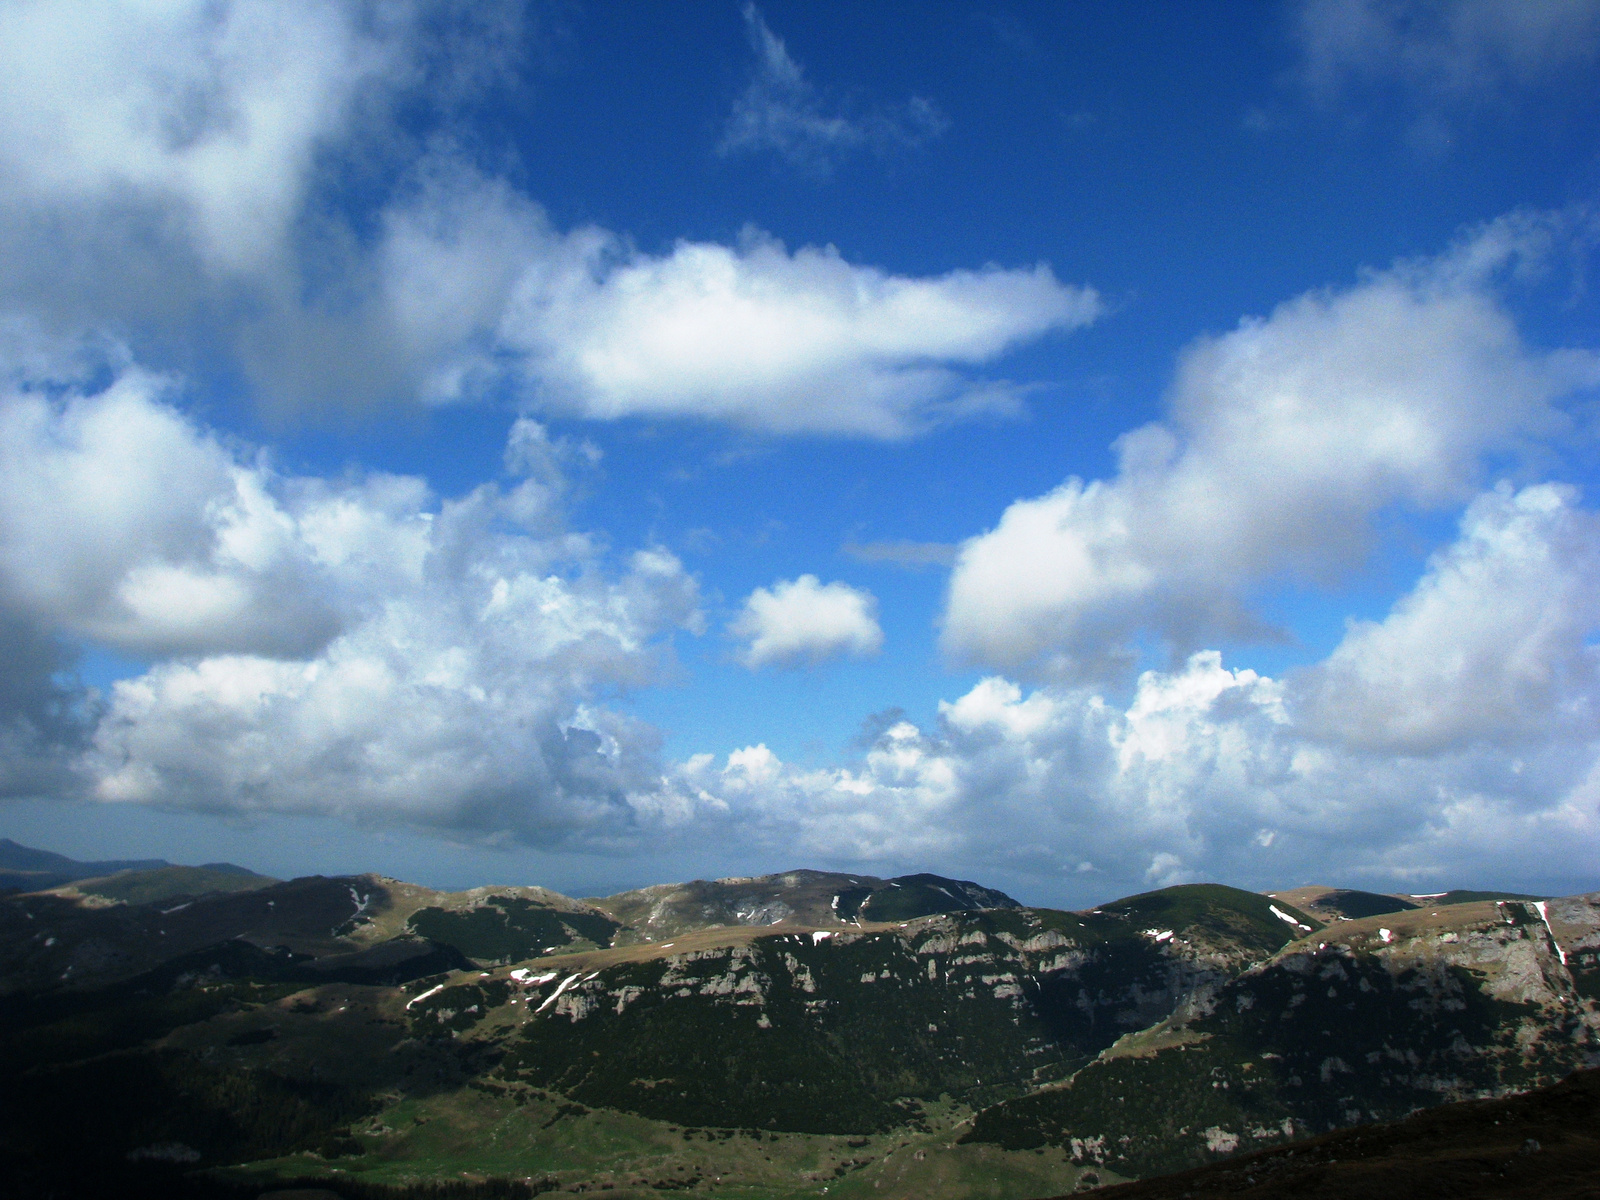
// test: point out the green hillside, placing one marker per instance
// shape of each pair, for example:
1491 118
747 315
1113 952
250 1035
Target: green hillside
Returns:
309 1030
1467 896
1322 1037
170 883
507 929
1356 904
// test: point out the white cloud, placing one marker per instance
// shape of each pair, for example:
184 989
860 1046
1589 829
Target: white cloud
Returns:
1454 740
210 114
781 111
121 522
781 342
805 620
189 174
352 647
232 181
1491 645
1285 437
463 685
466 703
1203 775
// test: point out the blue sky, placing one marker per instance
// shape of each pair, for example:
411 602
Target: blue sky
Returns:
1078 447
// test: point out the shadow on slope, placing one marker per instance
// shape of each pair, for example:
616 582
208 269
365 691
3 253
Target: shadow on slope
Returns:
1544 1144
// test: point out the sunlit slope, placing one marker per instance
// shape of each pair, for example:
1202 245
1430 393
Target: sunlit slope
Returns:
822 899
169 884
1334 904
114 927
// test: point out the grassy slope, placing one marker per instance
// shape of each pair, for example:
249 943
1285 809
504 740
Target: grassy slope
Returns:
509 928
437 1090
167 883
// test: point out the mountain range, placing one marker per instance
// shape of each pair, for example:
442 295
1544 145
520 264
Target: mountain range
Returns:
810 1033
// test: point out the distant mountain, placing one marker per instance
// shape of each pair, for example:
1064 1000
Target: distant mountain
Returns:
127 881
794 897
28 870
1469 896
161 884
916 1036
1334 904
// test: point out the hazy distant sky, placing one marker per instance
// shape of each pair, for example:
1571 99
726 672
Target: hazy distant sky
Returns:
1076 446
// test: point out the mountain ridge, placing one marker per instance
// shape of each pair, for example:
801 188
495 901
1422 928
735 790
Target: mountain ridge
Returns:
764 1029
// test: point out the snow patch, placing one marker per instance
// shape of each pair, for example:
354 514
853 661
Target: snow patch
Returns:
1159 935
551 998
1283 916
1539 907
1386 936
438 987
820 936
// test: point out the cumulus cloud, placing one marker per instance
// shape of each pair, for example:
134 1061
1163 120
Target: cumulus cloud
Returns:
45 719
1285 437
783 112
208 115
206 176
1491 645
123 523
1204 774
805 620
466 702
473 645
472 291
1455 739
355 646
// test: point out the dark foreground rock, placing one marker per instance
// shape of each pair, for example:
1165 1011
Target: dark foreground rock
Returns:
1543 1144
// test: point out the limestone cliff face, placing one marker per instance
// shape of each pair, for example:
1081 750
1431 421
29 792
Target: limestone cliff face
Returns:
1366 1020
845 1029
